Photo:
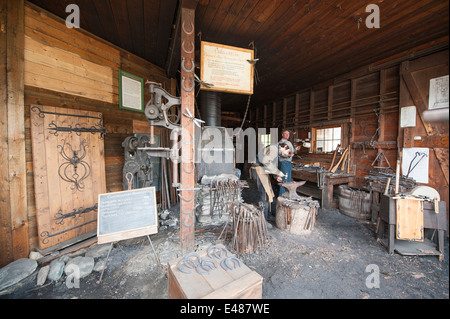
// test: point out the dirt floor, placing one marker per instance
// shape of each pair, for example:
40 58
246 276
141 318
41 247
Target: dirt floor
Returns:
340 259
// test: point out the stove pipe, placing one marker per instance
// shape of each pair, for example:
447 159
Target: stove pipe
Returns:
211 108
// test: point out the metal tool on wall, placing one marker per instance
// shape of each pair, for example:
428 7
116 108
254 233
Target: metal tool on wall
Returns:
137 162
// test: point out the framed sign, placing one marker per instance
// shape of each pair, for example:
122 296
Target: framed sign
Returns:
125 215
227 68
439 94
131 92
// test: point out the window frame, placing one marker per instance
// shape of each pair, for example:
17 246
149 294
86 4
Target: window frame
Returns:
314 140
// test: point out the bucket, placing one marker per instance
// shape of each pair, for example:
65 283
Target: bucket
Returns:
354 202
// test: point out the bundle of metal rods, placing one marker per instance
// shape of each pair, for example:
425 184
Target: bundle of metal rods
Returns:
223 192
248 228
383 177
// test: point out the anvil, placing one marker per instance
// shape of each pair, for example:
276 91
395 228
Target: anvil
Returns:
291 189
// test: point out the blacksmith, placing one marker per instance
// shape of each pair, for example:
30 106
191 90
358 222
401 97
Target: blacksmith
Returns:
285 155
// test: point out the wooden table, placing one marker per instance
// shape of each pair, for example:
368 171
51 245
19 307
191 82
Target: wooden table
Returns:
324 181
431 220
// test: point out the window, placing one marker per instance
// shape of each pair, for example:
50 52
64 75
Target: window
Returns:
265 140
326 139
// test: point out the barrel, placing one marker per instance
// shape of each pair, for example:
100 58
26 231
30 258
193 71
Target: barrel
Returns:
354 202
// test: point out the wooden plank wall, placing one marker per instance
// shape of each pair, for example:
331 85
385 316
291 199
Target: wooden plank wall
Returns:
350 103
414 90
13 201
362 102
73 69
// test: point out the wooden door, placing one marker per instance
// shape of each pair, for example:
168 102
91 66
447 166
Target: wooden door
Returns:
69 172
414 90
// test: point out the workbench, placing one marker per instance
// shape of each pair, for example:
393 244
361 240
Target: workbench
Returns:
377 187
324 183
431 221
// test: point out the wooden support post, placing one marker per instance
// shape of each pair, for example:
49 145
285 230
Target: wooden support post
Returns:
297 110
330 102
311 107
187 202
265 116
13 189
274 114
382 117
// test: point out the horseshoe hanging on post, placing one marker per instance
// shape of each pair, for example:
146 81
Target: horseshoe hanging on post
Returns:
183 46
192 85
183 66
188 32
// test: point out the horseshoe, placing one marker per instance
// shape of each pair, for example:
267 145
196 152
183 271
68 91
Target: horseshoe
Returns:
188 51
192 222
191 171
183 66
205 264
217 249
187 200
185 262
234 260
209 251
188 257
188 32
224 265
192 85
201 272
183 140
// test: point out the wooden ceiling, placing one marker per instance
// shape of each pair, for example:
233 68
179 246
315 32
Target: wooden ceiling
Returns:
299 42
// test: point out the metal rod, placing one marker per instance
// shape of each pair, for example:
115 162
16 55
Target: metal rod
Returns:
166 185
106 262
156 256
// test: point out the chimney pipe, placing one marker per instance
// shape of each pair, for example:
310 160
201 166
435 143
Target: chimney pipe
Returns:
211 108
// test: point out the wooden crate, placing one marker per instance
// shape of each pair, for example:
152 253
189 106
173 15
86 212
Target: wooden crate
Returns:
239 283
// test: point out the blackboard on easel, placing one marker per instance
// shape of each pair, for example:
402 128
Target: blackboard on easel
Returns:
125 215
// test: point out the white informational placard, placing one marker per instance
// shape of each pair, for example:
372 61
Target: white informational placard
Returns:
408 116
416 160
131 92
227 68
126 215
438 93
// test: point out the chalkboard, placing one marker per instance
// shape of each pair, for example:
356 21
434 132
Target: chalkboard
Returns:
125 215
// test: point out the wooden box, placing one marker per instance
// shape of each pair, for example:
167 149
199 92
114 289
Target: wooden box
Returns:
239 283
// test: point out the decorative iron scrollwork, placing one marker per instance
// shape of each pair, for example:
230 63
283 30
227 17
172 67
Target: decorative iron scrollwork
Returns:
42 114
74 170
45 235
60 217
78 129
